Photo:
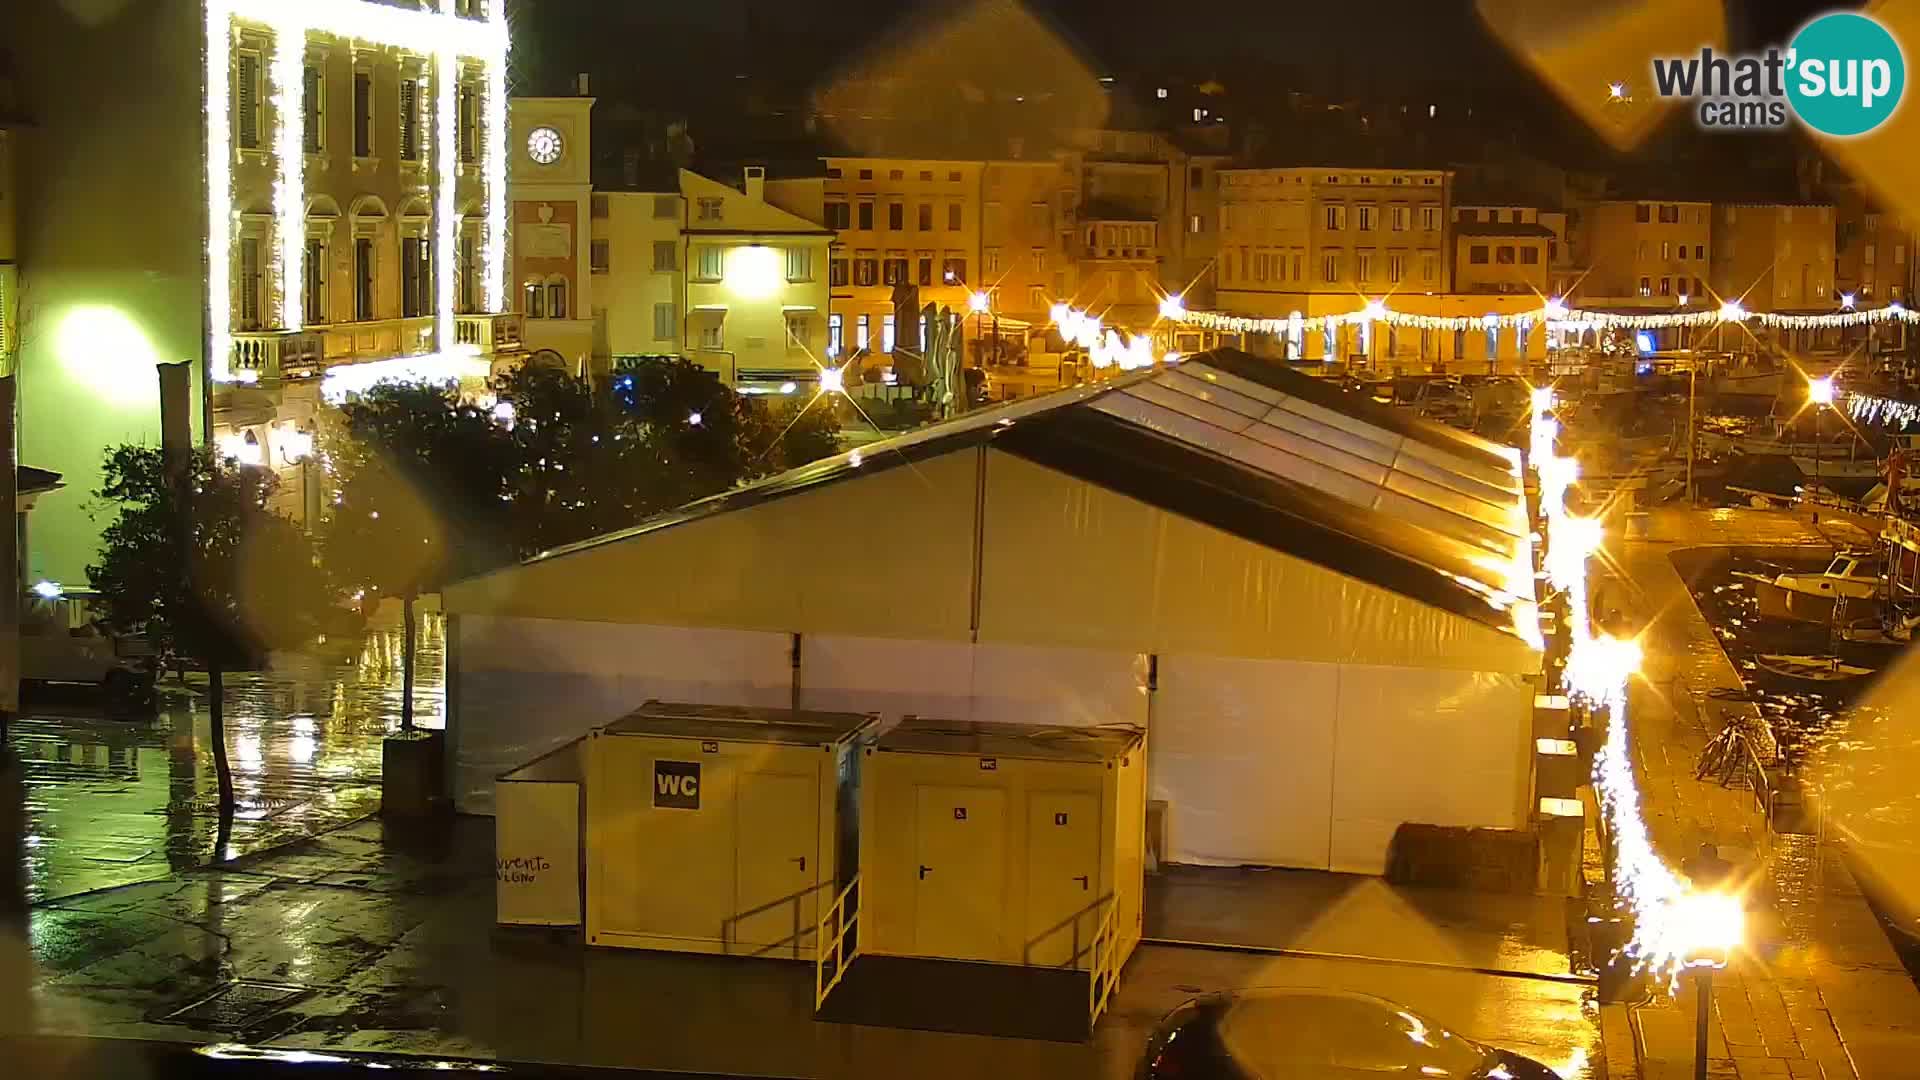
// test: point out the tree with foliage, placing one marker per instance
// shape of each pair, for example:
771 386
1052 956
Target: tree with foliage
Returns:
782 435
421 497
196 563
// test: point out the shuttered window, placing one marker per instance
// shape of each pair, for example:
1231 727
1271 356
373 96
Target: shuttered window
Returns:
246 101
409 120
312 101
249 283
362 114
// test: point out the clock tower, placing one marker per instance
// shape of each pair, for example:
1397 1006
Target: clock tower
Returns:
550 196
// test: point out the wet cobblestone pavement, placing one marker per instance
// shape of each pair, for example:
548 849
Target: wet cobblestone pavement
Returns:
112 800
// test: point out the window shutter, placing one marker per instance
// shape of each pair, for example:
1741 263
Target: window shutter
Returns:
409 120
246 99
362 114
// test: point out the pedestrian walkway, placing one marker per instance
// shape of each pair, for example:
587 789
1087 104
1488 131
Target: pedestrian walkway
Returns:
1820 991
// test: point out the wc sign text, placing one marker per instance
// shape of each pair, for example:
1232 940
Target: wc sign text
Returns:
1842 75
676 784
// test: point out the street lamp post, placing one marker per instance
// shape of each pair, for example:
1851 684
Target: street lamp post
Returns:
980 303
1820 395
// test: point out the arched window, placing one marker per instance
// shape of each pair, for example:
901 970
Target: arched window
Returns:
556 297
533 299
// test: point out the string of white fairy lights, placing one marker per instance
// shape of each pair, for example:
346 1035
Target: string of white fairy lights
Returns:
1869 409
1674 925
1554 315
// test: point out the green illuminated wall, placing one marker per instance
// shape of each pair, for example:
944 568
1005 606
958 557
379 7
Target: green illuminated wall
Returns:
111 240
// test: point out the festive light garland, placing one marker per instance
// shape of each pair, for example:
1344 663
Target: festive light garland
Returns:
1869 409
450 365
1554 314
440 34
1673 922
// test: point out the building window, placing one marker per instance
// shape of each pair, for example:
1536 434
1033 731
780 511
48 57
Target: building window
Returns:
363 118
954 271
1366 218
836 271
896 215
833 174
598 206
799 264
799 330
1530 255
1036 298
1193 223
838 216
925 270
896 174
1397 218
1503 255
363 279
469 125
1643 214
1396 268
926 174
1364 266
924 215
597 256
409 119
1477 254
866 174
1336 217
1700 252
1669 215
313 103
1666 251
866 215
991 261
712 262
416 277
866 269
1429 268
1037 261
863 329
1666 286
665 257
836 339
894 270
710 209
556 298
1429 218
467 263
534 300
665 206
953 177
313 285
1899 254
713 335
249 283
1329 268
886 332
664 328
246 100
1646 287
953 217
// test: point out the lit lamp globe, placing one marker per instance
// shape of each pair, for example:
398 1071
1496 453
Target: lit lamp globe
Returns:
753 272
1820 391
979 302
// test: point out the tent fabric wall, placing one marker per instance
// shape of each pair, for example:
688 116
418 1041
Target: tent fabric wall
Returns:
1437 747
526 686
1282 763
1241 750
954 681
786 565
1148 580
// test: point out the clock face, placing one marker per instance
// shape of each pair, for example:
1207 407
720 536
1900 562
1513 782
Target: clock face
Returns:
543 145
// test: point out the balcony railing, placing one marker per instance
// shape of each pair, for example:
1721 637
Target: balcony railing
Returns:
277 354
492 333
379 339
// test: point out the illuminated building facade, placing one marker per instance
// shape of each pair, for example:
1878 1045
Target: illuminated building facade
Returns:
297 193
1646 254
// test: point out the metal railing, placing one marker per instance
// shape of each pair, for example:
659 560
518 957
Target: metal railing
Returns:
492 333
1103 971
833 954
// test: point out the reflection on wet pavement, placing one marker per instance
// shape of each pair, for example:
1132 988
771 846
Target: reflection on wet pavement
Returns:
117 800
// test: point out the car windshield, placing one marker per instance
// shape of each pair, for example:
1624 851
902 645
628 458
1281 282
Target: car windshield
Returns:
1280 1035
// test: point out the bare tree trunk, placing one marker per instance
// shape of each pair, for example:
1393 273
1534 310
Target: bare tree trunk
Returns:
406 660
217 721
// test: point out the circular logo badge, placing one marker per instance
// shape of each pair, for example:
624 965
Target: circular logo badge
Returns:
1845 74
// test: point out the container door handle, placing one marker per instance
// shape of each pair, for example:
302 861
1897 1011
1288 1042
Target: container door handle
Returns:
1082 879
802 860
924 871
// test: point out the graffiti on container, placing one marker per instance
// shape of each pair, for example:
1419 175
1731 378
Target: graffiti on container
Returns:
522 870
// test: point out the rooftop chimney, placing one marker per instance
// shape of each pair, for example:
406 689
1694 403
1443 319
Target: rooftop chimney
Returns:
584 91
756 187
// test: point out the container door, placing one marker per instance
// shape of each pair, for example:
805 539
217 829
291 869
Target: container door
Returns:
1063 876
679 851
960 878
777 864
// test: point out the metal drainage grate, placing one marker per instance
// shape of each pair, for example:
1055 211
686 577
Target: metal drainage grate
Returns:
236 1006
